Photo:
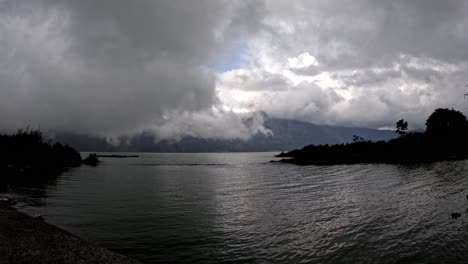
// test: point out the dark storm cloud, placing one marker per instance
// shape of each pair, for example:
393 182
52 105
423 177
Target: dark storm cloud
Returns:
112 66
362 32
115 66
254 81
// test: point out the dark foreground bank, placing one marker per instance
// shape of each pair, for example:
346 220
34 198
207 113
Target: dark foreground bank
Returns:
24 239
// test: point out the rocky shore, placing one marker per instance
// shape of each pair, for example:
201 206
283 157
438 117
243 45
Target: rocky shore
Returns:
25 239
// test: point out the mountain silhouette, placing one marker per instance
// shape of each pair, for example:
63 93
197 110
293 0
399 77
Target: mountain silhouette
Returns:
286 135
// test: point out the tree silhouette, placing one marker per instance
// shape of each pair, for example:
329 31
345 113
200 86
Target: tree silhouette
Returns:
401 127
357 138
444 122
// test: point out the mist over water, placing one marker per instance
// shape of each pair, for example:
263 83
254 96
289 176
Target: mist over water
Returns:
239 208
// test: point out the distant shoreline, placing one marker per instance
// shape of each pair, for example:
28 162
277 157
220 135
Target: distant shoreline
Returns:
26 239
445 138
117 156
295 161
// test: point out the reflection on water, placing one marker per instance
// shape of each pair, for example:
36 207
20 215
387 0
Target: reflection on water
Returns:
231 208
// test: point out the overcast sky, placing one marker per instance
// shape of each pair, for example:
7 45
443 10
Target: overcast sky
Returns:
173 67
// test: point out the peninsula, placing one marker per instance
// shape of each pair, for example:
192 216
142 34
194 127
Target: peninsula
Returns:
445 138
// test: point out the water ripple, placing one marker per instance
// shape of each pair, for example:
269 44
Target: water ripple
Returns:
238 208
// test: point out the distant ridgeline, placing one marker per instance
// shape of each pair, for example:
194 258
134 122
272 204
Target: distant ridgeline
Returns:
286 135
445 138
27 157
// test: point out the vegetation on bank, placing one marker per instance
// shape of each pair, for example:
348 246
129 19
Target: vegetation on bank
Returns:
27 156
445 138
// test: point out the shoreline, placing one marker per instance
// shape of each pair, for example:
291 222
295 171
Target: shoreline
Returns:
318 162
26 239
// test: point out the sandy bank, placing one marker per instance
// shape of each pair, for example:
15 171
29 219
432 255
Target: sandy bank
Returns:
24 239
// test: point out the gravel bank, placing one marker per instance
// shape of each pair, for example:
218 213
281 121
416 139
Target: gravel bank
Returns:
24 239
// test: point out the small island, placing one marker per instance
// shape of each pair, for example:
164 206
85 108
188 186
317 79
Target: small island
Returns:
445 138
116 156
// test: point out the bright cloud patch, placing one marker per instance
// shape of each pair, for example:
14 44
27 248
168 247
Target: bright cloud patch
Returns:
362 63
305 60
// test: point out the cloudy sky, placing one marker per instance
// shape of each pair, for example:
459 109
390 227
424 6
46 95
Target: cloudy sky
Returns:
173 67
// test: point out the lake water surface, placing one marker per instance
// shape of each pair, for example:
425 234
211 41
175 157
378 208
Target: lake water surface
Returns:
239 208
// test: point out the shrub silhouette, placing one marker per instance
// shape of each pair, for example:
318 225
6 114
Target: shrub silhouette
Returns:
27 157
91 160
357 138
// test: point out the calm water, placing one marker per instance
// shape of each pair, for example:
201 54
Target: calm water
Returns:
238 208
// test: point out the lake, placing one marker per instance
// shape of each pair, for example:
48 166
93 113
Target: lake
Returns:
239 208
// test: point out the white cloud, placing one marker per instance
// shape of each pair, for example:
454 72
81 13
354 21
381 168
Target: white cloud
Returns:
304 60
214 123
374 62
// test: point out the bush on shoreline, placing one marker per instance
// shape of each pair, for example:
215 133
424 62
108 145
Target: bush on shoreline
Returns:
25 155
